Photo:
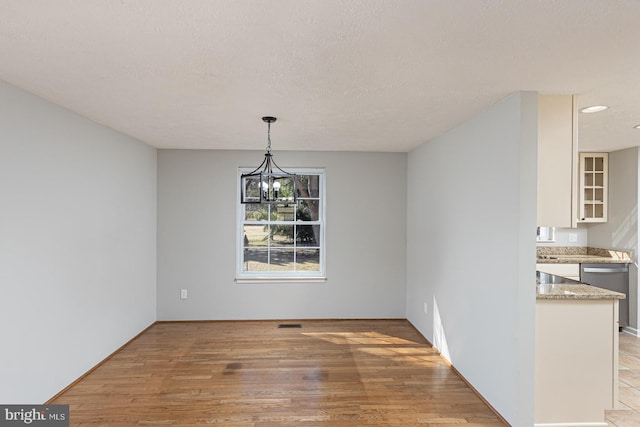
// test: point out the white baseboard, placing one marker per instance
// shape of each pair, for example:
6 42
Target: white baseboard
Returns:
597 424
631 331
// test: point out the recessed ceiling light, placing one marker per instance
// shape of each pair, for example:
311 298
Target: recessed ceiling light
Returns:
594 109
637 127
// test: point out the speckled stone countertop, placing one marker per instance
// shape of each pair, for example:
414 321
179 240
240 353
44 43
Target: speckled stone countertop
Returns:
578 255
573 292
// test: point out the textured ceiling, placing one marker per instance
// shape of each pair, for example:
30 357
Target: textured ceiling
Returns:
374 75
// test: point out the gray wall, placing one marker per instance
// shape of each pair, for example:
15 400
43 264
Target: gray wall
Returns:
77 244
471 250
365 238
621 229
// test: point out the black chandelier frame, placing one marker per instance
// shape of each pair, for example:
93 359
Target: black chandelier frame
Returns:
265 183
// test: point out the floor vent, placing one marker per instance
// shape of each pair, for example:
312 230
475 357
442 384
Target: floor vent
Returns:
289 325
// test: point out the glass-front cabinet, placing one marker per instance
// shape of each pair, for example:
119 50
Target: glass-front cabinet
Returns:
593 187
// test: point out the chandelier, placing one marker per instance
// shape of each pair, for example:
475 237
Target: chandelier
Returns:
268 183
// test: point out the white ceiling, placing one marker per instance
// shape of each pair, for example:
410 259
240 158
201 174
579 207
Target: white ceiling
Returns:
374 75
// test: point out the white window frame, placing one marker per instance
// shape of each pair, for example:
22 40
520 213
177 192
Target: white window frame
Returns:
282 276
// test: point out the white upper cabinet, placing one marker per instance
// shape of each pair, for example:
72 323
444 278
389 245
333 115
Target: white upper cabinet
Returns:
557 161
593 187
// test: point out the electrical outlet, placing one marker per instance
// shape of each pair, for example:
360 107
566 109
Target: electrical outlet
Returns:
426 308
573 237
183 294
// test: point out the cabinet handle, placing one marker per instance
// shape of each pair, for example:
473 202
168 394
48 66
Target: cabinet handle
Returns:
605 270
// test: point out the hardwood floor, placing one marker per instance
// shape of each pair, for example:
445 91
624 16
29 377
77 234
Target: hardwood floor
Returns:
328 372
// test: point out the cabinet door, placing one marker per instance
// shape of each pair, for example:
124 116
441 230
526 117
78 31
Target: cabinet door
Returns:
557 161
593 187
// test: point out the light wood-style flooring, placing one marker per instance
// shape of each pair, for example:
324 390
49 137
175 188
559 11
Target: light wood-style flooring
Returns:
629 385
326 373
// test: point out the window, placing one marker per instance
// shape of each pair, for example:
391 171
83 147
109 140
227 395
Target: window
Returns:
284 241
546 234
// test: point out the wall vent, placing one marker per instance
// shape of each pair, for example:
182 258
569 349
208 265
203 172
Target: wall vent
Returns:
289 325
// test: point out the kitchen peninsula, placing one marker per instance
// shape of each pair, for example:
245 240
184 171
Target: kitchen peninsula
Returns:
604 268
576 358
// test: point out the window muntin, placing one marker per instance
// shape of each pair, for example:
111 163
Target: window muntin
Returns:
284 240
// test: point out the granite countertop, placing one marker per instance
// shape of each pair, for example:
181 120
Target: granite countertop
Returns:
580 255
580 259
574 292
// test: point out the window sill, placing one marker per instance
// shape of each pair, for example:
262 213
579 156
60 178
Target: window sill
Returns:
280 280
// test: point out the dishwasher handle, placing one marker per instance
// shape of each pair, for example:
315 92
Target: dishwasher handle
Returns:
605 270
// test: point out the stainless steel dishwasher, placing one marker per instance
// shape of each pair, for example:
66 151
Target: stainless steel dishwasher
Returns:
614 277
